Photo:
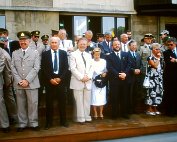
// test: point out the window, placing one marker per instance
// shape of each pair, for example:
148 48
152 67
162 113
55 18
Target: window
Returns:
114 25
121 26
108 24
2 21
80 25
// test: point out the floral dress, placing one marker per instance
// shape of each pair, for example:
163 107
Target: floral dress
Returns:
155 93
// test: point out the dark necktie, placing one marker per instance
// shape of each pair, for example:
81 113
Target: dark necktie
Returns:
83 59
63 43
124 48
55 62
118 55
23 53
36 44
174 52
134 55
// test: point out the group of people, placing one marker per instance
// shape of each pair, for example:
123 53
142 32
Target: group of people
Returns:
56 67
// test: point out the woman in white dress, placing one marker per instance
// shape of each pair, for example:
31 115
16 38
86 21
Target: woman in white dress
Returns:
98 95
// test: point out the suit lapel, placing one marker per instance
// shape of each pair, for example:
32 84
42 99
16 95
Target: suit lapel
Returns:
50 59
60 59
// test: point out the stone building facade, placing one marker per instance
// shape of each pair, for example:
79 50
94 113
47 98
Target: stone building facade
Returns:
47 15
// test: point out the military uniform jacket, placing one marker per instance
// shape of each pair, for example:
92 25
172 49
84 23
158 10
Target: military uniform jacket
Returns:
1 68
40 48
7 73
144 52
26 67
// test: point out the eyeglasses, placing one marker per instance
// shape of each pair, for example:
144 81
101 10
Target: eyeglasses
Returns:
170 44
36 36
157 49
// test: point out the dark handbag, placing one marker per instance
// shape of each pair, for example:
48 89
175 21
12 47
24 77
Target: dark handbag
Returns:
100 81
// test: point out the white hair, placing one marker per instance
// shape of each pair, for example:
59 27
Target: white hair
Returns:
55 38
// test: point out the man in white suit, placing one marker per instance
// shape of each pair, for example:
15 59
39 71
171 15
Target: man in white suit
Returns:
81 75
65 44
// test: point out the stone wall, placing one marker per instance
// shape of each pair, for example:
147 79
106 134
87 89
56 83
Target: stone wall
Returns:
33 3
101 6
31 20
142 25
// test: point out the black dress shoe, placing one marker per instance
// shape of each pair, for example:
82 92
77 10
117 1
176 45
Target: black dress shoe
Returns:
65 124
37 128
126 116
20 129
81 123
47 126
5 130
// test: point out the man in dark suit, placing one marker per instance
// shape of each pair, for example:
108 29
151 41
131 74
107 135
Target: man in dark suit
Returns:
55 67
106 45
170 77
6 41
117 66
134 76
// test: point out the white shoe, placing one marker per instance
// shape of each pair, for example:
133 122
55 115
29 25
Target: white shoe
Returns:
150 113
158 112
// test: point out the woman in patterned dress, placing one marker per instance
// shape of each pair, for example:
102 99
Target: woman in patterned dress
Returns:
155 93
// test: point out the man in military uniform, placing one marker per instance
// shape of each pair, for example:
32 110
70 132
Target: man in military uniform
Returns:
46 47
164 36
35 43
54 33
145 50
45 41
25 67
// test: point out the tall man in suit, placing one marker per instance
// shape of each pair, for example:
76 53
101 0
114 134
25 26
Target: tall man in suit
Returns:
134 75
25 67
81 75
66 45
55 67
170 77
90 45
117 65
4 33
106 45
124 42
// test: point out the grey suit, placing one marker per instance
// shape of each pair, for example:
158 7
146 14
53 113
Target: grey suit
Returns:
3 112
8 89
26 68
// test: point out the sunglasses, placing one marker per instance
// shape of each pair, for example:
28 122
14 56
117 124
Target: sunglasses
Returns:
36 36
170 44
157 49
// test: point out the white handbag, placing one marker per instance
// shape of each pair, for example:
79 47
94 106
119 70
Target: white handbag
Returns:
146 83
